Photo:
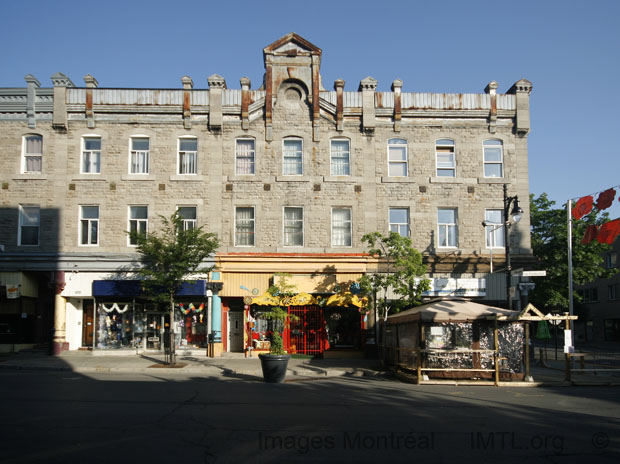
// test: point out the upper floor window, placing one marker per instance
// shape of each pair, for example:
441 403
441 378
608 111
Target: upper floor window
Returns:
91 155
611 260
292 157
188 217
293 226
340 158
140 154
612 291
32 154
341 227
89 225
188 155
589 295
29 225
244 156
399 221
446 163
397 158
493 158
494 228
447 227
244 226
138 222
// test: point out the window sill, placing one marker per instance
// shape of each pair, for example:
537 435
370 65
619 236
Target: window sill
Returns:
349 179
187 178
397 180
452 180
30 177
90 177
139 177
492 180
299 178
246 178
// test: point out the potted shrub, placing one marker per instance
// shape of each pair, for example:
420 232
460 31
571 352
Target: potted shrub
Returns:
275 363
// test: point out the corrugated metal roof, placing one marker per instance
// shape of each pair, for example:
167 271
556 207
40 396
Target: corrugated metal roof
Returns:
231 97
352 99
329 97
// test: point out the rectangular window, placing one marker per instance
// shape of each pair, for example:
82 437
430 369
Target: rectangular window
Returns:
612 291
29 225
292 157
89 225
493 158
244 226
138 222
447 227
293 226
341 227
340 158
611 260
397 158
33 154
446 164
399 221
244 156
188 156
140 153
91 155
494 228
188 217
589 295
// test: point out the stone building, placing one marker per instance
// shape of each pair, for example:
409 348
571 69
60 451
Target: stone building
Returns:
289 175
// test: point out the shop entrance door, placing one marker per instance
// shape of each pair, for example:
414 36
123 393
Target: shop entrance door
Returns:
88 323
155 331
235 331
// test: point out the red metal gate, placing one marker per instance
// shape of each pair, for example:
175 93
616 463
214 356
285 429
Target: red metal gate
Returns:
307 334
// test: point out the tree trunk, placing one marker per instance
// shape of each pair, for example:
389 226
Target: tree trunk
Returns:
171 332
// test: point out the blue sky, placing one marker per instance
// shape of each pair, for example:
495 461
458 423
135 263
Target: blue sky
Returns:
570 51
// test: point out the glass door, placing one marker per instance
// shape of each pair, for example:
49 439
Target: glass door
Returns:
154 331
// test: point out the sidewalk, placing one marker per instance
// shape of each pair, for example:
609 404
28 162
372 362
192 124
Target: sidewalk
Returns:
249 368
229 366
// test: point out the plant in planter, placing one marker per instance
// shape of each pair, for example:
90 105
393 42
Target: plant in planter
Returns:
275 363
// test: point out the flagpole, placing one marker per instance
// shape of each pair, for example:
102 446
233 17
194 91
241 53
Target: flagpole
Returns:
570 267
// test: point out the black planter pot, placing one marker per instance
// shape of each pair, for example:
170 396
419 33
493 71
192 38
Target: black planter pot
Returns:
274 367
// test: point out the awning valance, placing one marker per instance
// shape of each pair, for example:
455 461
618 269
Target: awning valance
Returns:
133 289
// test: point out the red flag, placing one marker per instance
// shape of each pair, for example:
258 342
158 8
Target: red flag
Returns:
605 199
591 233
582 207
608 232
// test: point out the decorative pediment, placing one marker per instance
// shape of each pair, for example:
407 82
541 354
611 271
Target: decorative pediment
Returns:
292 44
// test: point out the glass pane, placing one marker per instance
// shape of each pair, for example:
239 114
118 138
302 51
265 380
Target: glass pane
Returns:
488 143
399 215
492 170
445 142
92 143
397 141
139 144
187 212
34 163
34 145
452 236
398 154
138 212
90 212
292 145
185 145
445 172
445 160
84 233
397 169
494 216
492 154
446 216
94 226
340 146
30 215
30 236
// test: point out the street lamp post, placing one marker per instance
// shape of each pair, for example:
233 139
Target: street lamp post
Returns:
516 214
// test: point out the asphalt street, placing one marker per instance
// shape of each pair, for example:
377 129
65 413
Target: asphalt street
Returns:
65 417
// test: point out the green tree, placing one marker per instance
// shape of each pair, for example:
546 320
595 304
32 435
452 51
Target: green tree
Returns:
283 290
170 256
549 233
400 268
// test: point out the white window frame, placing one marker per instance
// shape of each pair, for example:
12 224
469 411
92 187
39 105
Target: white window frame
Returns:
447 226
251 221
187 224
397 143
494 228
138 222
347 233
22 225
296 160
250 156
343 157
493 143
441 146
26 155
146 154
291 223
611 260
89 222
93 167
186 153
398 225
